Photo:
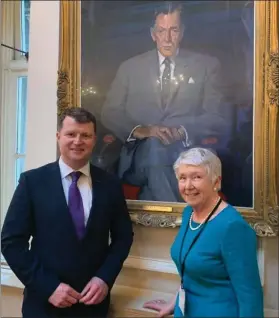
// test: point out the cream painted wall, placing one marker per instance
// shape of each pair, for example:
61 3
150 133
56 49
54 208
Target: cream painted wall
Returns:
42 78
41 128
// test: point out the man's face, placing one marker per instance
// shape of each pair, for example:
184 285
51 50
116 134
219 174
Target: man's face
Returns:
167 33
76 142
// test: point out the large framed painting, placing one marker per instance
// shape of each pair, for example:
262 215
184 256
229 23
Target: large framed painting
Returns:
162 77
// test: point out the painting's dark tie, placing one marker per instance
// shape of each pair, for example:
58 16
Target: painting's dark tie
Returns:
76 205
166 81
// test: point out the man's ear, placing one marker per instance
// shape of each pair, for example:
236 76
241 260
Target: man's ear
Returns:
152 34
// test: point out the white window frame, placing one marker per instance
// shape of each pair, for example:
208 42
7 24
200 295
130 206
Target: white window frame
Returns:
14 65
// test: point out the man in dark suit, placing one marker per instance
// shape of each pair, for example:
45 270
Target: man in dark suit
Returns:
162 102
71 210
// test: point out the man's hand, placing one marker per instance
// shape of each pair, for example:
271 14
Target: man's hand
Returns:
64 296
165 134
94 292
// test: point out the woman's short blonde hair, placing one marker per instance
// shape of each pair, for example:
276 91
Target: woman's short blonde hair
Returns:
201 157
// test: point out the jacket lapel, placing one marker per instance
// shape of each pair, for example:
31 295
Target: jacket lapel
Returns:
154 69
97 196
180 77
58 197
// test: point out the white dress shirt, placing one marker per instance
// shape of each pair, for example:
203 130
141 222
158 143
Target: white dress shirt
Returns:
84 185
162 66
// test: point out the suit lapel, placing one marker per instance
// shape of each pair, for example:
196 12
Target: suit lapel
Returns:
180 76
97 196
58 197
155 76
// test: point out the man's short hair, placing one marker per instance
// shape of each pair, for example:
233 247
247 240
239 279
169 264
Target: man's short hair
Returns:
80 115
167 7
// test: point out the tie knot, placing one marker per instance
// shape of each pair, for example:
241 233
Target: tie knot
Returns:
75 175
167 61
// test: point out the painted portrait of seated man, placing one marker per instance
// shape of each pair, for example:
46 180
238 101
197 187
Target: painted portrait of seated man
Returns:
162 102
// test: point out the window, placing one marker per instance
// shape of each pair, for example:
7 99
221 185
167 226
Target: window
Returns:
24 17
20 125
15 33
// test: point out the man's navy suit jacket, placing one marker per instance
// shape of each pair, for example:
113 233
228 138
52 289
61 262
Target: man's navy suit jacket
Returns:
39 210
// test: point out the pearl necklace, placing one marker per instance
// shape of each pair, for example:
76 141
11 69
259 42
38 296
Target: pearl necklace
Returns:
191 220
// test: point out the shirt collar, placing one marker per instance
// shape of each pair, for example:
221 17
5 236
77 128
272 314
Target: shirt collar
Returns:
66 170
162 58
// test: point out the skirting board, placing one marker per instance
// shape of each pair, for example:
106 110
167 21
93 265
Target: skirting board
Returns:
141 263
168 266
8 278
150 264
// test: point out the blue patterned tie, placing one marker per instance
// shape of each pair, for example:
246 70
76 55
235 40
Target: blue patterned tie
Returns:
76 205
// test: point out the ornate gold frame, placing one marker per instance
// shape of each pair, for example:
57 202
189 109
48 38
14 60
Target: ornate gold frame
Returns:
264 217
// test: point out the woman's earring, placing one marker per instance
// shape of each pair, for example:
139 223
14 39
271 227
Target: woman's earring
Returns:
215 189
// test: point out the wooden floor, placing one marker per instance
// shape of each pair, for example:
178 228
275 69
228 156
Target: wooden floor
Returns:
128 301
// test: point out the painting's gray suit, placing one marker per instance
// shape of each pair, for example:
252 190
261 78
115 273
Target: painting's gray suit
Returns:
134 99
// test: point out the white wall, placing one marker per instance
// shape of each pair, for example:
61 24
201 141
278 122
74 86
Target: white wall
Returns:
42 83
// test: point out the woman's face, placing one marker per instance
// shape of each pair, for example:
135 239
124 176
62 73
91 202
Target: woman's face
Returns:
195 185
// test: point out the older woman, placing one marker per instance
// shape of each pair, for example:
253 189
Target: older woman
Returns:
215 250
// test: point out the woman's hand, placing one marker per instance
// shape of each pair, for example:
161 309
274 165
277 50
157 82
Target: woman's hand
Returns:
164 308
